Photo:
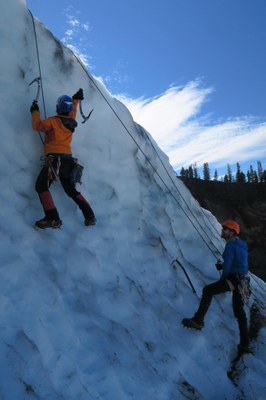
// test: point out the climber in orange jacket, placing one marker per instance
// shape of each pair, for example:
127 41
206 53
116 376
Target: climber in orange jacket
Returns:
59 163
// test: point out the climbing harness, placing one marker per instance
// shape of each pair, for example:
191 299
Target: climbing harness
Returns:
38 81
185 272
53 163
82 114
53 173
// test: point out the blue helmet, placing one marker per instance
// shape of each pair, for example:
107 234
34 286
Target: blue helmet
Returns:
64 104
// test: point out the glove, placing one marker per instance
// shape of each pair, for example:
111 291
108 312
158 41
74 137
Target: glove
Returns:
219 265
34 106
79 95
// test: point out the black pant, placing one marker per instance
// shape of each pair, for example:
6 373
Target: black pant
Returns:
59 167
219 287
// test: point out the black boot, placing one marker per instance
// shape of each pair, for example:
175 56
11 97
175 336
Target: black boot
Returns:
193 323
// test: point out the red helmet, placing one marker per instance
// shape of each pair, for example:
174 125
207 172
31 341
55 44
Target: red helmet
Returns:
232 225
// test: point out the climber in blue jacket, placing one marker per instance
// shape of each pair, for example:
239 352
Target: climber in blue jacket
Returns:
235 256
235 267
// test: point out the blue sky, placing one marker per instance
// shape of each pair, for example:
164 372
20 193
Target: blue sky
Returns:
208 54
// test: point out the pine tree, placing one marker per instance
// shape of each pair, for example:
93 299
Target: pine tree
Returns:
264 176
229 173
226 178
195 171
248 177
252 175
182 172
260 171
190 172
255 177
206 172
240 176
215 175
238 172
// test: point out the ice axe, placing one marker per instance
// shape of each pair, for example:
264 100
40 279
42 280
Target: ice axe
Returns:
38 81
185 272
82 114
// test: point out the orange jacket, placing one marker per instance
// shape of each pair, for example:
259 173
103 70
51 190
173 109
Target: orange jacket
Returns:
57 137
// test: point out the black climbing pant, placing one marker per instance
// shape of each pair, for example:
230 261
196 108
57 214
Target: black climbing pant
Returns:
222 286
59 167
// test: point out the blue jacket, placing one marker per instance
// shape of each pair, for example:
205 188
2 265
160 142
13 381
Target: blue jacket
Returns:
235 257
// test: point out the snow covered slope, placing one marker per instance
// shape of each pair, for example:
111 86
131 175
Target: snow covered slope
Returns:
94 313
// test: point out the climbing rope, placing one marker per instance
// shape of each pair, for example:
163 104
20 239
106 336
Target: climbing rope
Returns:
176 187
182 197
40 85
176 261
150 163
143 153
140 149
132 137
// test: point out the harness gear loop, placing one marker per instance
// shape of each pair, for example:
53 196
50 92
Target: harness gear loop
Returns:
53 173
82 114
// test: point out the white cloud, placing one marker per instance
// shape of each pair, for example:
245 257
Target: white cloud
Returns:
73 21
86 27
75 36
117 77
69 33
175 121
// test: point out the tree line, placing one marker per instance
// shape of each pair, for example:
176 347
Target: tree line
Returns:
252 175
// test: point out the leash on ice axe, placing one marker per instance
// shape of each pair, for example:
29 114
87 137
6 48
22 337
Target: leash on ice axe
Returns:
82 114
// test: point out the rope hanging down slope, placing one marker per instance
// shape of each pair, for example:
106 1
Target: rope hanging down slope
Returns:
146 157
214 252
154 169
39 67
